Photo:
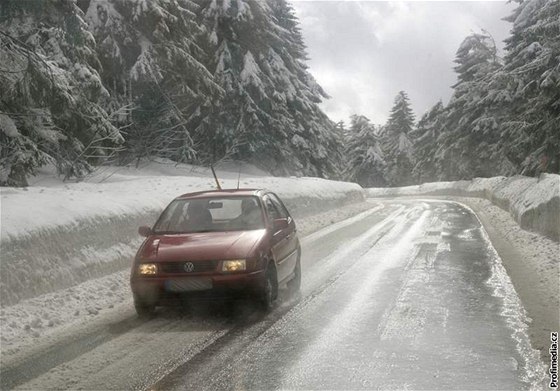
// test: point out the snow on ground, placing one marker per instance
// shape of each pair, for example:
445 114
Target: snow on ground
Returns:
540 253
532 262
44 318
34 213
115 191
55 235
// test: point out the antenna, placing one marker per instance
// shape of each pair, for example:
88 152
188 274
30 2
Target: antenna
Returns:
238 176
215 177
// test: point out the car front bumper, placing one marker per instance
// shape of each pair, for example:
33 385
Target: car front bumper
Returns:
164 290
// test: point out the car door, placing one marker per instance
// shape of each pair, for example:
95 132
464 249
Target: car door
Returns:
292 239
279 240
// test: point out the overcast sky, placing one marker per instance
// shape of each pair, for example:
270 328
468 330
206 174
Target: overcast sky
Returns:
364 52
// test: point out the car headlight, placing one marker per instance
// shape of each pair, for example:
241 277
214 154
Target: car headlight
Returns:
147 269
234 265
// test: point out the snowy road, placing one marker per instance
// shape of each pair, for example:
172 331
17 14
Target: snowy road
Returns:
409 295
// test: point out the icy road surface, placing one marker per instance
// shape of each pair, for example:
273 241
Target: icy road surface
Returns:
409 295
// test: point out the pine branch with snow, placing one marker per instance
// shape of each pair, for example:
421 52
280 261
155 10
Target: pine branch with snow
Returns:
51 92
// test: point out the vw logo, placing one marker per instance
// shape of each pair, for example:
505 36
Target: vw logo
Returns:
189 267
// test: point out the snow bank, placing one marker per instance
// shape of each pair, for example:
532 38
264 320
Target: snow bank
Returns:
534 203
55 235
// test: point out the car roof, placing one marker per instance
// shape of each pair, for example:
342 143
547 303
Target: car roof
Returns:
222 193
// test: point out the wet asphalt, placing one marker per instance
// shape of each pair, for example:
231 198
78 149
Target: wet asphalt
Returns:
410 296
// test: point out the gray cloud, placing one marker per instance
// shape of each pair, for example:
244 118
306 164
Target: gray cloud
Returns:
364 52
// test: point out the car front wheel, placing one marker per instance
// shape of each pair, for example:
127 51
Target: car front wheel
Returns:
269 291
144 310
294 284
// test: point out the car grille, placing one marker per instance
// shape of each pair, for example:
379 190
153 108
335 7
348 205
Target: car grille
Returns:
179 267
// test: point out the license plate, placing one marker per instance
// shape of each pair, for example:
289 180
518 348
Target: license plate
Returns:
188 284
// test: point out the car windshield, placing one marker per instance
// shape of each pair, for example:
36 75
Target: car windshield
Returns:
211 215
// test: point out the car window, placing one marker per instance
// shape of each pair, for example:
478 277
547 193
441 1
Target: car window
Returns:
283 212
175 212
211 215
225 209
271 209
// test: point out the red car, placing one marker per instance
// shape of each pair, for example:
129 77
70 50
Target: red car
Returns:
217 244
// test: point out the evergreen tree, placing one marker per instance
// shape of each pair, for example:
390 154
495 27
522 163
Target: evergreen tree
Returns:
469 146
365 163
191 80
424 138
50 92
396 143
153 66
269 114
341 164
531 73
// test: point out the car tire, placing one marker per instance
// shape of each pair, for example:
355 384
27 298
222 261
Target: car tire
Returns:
143 310
269 291
294 284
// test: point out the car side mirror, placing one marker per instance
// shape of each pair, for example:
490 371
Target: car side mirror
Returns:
145 231
280 224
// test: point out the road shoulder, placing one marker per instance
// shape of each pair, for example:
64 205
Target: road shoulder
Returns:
532 262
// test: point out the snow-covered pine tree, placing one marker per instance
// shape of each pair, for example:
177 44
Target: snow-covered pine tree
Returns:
469 145
532 73
153 67
323 151
365 161
341 164
396 144
270 114
50 91
424 138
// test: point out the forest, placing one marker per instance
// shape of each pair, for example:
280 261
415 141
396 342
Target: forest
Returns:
90 82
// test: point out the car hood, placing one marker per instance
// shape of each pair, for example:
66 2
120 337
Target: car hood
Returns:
202 246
